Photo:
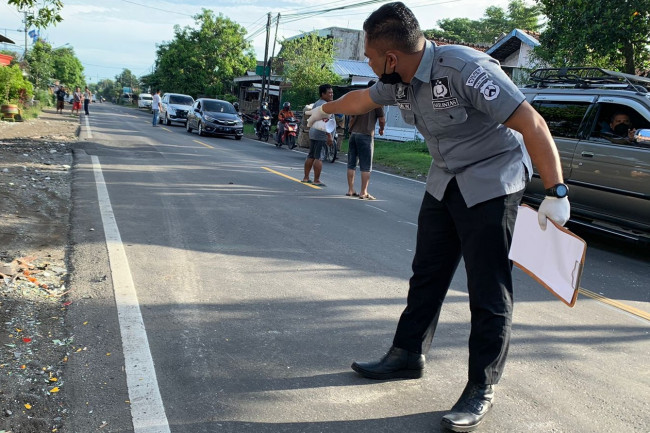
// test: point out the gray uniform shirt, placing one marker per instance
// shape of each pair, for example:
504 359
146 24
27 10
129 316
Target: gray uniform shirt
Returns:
459 99
315 134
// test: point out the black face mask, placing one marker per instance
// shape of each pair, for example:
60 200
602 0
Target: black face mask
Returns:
392 78
621 129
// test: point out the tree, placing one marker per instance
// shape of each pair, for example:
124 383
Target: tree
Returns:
41 64
203 60
608 33
126 79
308 63
106 88
487 30
67 67
13 86
48 13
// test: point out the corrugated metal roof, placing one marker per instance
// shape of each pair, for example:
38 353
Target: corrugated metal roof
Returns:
350 68
511 43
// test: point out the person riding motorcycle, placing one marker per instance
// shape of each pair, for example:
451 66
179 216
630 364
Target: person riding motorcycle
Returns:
283 115
264 111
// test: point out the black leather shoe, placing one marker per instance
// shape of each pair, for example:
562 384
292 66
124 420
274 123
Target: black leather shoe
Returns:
396 364
470 409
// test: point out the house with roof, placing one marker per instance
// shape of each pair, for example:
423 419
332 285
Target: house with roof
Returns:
514 52
5 59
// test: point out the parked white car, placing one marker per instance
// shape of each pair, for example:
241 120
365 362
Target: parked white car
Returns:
144 100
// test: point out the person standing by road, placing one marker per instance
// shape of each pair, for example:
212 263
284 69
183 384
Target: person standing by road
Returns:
361 146
318 139
60 99
466 108
77 97
156 106
87 99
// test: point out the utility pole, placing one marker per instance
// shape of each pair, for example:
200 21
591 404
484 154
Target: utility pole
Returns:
25 21
266 54
275 38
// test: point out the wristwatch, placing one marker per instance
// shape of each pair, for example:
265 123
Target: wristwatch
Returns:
560 191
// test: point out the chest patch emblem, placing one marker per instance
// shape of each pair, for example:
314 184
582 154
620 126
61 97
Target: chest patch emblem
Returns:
400 91
440 87
441 94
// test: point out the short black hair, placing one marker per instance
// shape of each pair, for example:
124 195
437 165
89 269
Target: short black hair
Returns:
619 112
393 26
323 88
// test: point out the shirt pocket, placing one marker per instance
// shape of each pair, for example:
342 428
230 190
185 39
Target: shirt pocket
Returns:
451 116
408 116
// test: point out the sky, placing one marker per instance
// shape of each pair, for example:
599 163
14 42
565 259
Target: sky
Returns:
109 36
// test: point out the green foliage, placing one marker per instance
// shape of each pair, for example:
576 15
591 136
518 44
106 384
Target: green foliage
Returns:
13 86
105 88
126 79
495 22
204 60
308 63
41 64
67 68
47 14
44 97
608 33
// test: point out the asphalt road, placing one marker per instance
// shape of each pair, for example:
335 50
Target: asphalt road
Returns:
255 293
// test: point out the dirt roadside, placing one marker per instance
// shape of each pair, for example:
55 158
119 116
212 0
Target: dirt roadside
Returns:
35 183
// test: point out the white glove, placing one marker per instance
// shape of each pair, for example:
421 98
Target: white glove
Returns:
556 209
316 114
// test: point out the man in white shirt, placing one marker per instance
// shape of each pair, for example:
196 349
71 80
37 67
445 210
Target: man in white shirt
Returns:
155 107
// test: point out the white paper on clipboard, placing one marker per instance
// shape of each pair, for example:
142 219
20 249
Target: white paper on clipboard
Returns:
554 257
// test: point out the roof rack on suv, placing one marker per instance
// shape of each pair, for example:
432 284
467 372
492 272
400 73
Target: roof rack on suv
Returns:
585 78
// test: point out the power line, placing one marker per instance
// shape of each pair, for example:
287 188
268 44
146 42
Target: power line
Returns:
158 9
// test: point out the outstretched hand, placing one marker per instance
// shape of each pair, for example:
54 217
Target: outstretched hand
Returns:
316 114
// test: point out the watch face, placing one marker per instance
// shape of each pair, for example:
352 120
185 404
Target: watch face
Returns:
561 190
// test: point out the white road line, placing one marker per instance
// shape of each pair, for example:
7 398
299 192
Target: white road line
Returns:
147 410
90 134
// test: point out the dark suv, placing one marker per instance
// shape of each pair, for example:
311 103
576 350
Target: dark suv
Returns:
607 169
175 107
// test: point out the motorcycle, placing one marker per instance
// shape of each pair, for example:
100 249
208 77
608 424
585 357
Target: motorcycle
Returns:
264 131
289 134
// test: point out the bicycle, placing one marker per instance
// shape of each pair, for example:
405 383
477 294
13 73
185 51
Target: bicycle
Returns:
331 150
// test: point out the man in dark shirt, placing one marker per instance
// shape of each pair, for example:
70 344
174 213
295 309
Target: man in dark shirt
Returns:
60 99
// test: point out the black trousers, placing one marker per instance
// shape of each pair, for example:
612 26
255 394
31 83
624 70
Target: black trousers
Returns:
481 235
86 103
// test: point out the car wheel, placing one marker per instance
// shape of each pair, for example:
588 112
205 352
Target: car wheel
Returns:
200 129
167 121
188 128
238 137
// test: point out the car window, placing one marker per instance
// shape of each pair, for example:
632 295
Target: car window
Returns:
219 107
563 118
181 100
607 112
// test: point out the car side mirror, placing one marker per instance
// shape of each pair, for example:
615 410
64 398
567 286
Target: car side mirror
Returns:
642 136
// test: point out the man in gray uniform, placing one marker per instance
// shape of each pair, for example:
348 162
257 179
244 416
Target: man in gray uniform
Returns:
466 108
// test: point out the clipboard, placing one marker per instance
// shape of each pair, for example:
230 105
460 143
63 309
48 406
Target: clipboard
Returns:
554 257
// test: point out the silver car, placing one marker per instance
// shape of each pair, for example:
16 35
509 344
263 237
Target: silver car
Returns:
175 107
606 167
